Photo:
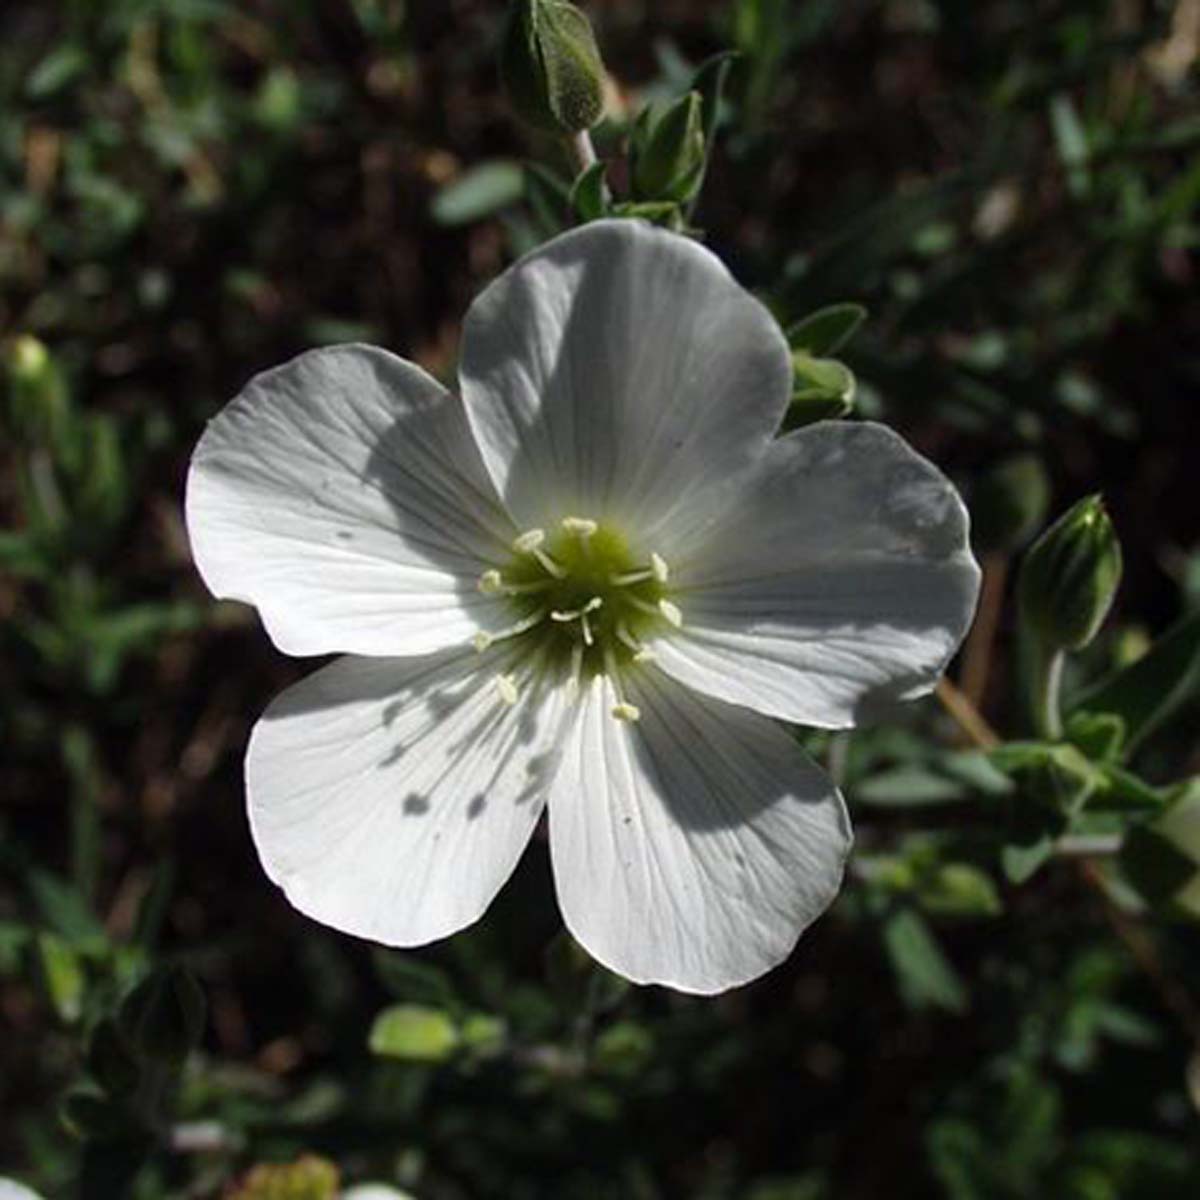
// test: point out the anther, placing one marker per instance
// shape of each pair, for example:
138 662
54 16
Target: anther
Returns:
671 613
528 542
658 565
581 527
506 688
645 655
485 641
622 710
491 583
531 542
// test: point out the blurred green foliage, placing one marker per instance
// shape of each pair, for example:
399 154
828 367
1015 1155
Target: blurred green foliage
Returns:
192 190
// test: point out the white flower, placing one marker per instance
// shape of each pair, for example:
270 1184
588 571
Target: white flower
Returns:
10 1189
592 584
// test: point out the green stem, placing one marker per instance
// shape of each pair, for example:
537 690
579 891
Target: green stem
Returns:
583 153
1042 668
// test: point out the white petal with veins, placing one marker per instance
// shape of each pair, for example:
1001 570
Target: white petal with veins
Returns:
693 847
342 494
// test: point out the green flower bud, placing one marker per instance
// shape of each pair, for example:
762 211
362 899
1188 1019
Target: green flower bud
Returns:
1070 576
551 66
38 404
162 1019
669 150
1009 503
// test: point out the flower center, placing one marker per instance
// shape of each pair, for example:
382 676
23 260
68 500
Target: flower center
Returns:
591 604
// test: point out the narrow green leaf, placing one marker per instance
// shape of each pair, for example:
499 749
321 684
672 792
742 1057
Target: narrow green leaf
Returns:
826 331
62 975
926 977
588 193
480 192
1146 694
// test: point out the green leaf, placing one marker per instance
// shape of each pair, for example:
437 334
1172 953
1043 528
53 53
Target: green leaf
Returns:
65 911
926 977
407 978
1155 865
958 889
62 975
588 193
414 1033
1145 694
826 331
1022 860
908 787
480 192
60 68
822 389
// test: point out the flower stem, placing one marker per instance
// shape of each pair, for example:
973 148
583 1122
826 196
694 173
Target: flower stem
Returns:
583 153
1042 668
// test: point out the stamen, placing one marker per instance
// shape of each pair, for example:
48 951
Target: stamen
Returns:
622 710
577 614
664 608
549 565
581 527
485 641
658 565
491 583
584 624
531 542
630 577
628 638
645 655
506 687
671 613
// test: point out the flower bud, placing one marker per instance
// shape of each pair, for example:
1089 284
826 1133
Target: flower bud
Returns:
1070 576
1009 503
38 405
551 66
162 1019
669 150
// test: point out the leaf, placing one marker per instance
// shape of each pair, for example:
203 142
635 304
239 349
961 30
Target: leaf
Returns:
61 67
1157 867
958 889
908 787
64 910
413 1033
1146 693
926 977
407 978
479 193
826 331
62 975
1021 861
588 193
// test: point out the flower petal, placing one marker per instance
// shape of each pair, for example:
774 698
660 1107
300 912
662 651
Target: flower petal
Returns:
342 494
693 848
619 372
842 580
391 798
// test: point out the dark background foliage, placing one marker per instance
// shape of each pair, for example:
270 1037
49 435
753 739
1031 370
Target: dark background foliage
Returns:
194 190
